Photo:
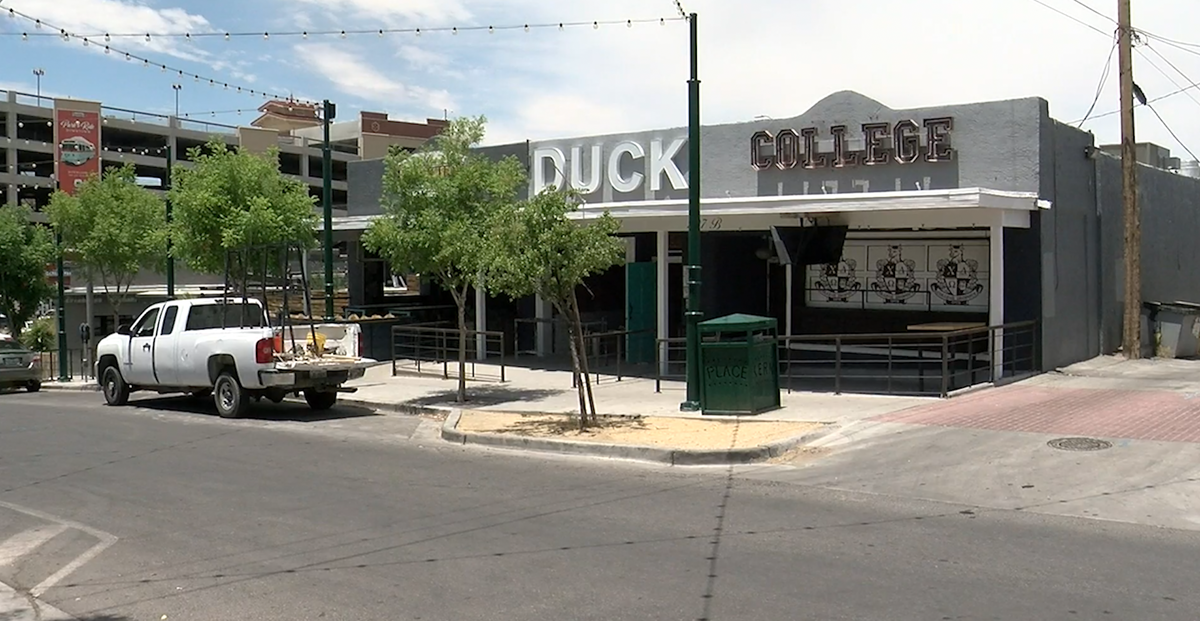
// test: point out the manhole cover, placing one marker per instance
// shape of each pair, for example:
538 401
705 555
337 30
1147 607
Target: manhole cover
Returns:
1079 444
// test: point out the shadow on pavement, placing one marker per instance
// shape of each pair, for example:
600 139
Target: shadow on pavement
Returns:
263 410
483 396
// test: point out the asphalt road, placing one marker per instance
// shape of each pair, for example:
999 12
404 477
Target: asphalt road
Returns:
365 518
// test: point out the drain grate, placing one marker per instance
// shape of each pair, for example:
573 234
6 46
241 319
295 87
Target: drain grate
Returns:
1079 444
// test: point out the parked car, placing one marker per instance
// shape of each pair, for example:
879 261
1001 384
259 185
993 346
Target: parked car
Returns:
227 348
19 367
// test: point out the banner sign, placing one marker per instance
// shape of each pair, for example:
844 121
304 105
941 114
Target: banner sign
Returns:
77 147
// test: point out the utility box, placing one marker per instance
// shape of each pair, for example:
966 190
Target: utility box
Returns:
1177 326
739 365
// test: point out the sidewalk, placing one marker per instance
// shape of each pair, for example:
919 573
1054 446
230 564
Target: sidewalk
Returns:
550 392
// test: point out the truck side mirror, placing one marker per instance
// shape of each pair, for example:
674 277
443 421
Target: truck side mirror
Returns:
123 330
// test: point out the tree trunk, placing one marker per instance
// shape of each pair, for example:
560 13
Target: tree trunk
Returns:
461 301
583 355
573 329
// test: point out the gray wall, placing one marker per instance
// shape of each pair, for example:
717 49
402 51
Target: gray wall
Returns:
1070 247
1170 208
996 144
365 178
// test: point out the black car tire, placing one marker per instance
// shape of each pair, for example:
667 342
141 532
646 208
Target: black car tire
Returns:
320 400
116 391
229 396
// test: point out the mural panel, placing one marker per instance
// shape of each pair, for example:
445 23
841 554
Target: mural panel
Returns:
911 274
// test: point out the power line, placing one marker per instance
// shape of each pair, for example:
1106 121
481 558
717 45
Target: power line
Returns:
1093 10
1165 74
682 13
1071 17
1172 132
1103 79
87 42
95 37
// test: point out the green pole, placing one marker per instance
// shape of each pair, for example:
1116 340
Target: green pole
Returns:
692 272
64 372
327 202
170 259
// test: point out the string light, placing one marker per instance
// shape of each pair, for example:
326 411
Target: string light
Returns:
379 32
146 62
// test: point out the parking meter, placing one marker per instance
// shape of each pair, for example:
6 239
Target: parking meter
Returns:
85 333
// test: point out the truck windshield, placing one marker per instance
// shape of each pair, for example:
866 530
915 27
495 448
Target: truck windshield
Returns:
208 316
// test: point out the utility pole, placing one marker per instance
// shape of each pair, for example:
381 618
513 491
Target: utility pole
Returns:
692 270
1132 341
329 111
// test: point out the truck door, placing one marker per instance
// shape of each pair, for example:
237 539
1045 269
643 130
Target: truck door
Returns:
139 361
166 345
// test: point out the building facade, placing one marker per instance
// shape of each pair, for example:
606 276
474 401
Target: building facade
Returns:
979 214
27 178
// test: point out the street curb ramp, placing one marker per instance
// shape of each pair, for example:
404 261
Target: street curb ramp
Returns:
662 455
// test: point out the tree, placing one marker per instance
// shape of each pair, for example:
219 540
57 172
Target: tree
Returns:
42 335
540 250
111 229
233 200
25 249
437 204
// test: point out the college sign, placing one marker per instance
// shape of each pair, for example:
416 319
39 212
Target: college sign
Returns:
629 166
905 142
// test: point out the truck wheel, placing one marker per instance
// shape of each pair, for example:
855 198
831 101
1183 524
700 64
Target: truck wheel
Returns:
116 391
320 399
276 395
229 396
33 386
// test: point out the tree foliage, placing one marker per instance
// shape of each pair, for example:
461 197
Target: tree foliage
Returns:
541 250
438 203
232 199
111 229
42 335
25 249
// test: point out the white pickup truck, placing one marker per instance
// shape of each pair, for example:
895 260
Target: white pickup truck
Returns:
226 348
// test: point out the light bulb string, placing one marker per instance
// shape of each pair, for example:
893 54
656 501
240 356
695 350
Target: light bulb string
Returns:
148 62
343 32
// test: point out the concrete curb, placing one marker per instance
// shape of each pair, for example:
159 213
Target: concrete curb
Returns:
662 455
398 408
71 387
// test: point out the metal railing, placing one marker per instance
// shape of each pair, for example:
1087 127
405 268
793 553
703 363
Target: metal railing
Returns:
79 365
418 346
558 326
606 354
908 363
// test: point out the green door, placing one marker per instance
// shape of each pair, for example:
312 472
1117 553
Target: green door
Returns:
641 309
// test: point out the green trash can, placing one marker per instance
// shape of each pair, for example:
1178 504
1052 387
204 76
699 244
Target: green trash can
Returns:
739 365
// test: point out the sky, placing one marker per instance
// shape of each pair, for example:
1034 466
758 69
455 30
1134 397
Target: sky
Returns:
772 58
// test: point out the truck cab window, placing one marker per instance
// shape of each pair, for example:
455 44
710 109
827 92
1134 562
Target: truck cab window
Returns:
145 326
168 324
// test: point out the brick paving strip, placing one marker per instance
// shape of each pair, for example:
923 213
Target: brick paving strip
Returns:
1156 415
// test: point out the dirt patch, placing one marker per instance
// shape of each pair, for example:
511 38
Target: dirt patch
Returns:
683 433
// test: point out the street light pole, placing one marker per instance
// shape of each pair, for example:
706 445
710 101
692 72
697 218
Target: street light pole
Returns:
38 73
329 111
167 187
692 270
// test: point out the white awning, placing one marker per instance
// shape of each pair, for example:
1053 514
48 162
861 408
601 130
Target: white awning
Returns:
912 202
824 204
